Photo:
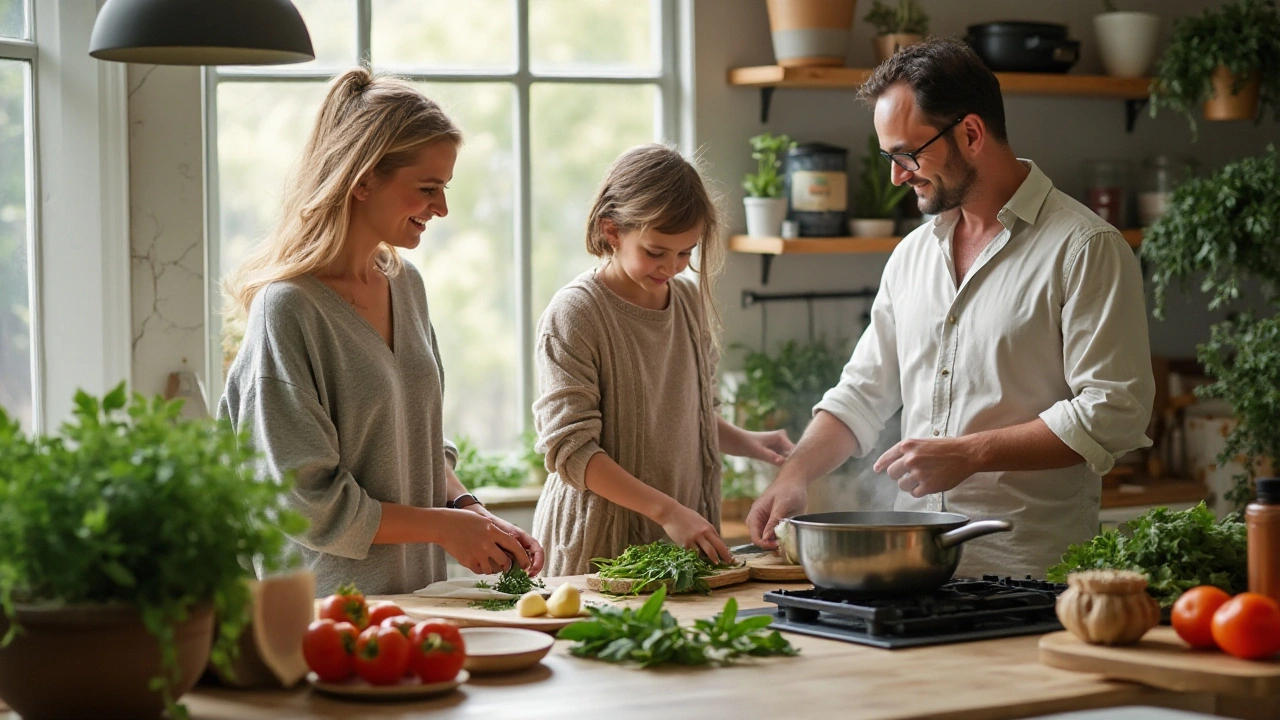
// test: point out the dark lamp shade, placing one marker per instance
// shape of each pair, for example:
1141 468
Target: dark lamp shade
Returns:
201 32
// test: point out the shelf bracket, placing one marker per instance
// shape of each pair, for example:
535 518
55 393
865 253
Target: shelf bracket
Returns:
1132 108
766 261
766 97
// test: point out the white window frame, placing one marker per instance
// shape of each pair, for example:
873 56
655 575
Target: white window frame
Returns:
78 202
673 79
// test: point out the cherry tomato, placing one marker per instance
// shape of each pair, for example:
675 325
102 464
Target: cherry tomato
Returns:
1248 626
346 606
403 623
329 649
382 654
380 610
438 651
1193 614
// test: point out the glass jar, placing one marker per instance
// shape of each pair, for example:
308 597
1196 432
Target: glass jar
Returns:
1107 189
1160 175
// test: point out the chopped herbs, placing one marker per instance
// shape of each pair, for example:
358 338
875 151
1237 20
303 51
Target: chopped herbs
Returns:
513 581
493 604
659 563
651 636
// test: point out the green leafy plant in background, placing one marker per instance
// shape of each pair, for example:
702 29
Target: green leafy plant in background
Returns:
779 390
899 17
736 482
1243 35
1176 550
651 636
495 469
659 564
133 504
877 196
767 150
1224 230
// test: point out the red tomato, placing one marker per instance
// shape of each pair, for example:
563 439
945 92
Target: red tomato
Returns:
380 610
382 654
403 623
329 649
1248 626
1193 614
346 606
438 650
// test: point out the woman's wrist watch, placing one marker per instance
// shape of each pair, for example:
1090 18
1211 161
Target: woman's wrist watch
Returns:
463 500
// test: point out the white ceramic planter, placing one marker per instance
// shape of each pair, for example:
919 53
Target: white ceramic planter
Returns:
1127 41
871 227
765 216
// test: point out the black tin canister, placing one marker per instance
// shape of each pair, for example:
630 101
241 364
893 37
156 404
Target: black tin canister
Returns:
817 189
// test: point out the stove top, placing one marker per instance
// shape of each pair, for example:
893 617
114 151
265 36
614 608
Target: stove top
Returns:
963 609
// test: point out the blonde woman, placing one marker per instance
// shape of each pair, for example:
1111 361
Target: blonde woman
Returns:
626 365
338 380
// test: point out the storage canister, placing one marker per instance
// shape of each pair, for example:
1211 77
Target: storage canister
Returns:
817 189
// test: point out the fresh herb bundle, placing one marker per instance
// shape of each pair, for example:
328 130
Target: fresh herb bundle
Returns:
1176 550
513 581
659 563
652 636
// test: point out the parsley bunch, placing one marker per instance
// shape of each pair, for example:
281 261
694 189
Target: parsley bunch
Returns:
659 563
513 581
652 636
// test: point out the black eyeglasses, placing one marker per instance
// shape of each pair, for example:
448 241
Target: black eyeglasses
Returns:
907 160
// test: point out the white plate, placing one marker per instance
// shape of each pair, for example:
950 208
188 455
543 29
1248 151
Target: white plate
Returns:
356 687
498 650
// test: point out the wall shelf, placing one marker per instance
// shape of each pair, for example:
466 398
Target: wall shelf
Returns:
1134 91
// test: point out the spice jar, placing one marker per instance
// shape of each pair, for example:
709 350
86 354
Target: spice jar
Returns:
1106 188
1262 522
1161 174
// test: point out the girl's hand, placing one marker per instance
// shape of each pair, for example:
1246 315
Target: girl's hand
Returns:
479 544
688 529
772 446
531 547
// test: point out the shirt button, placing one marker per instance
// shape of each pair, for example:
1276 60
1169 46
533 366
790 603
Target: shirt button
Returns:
945 372
951 319
935 432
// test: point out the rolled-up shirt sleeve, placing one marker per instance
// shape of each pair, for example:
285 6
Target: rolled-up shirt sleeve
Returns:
870 390
1106 354
567 414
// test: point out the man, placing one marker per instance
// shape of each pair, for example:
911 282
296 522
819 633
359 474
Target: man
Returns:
1011 331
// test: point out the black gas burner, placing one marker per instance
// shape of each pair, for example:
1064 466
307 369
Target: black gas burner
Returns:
962 609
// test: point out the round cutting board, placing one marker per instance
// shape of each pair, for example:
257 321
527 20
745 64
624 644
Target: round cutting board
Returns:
770 567
623 586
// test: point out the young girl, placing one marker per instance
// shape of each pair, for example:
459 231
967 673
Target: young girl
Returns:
627 367
338 380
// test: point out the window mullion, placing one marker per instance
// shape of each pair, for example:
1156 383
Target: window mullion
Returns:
364 32
524 218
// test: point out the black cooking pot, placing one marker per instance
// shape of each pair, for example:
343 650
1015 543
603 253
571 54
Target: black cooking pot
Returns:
1008 46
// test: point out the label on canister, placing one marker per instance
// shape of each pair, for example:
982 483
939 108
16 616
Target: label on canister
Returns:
819 191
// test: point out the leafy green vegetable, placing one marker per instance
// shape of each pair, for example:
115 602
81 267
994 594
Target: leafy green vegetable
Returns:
132 503
906 17
513 581
494 604
651 636
658 564
1176 550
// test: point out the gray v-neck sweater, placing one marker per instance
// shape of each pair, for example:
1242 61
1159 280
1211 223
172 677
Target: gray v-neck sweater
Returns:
323 397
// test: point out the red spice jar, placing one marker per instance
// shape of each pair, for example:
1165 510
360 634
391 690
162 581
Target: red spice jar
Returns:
1262 520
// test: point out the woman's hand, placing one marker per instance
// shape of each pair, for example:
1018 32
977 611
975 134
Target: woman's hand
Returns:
688 529
479 544
533 551
772 446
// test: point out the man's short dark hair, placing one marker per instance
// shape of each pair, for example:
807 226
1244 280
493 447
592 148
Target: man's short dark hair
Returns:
948 80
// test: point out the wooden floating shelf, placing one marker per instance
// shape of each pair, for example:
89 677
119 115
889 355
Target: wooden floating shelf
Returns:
1102 86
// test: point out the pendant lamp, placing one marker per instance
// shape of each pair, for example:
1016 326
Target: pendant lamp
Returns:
201 32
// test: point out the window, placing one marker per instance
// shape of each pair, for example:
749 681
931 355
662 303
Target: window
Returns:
17 347
547 93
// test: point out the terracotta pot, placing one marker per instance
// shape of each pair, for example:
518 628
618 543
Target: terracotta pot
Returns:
1223 105
886 45
94 661
808 33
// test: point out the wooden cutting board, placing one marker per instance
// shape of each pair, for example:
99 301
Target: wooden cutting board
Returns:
771 568
1162 660
720 578
460 612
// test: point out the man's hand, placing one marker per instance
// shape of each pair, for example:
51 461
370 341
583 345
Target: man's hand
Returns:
928 466
782 499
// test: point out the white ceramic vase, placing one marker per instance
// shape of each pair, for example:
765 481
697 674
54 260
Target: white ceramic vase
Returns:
871 227
1127 41
765 216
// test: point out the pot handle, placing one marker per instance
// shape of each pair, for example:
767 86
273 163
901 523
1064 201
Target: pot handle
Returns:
971 531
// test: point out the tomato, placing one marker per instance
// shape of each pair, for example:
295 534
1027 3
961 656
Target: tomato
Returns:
1193 614
403 623
1248 626
438 650
380 610
329 649
346 606
382 654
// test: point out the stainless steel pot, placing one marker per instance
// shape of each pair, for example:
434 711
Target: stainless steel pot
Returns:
884 552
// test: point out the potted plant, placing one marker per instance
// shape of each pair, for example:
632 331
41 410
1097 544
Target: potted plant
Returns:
898 23
765 206
1226 60
810 33
1126 40
124 542
1224 230
877 197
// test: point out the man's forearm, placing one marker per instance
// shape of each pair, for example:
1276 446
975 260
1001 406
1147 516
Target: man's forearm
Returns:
1029 446
825 445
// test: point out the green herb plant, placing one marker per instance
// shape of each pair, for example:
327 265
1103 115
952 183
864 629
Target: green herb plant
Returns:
736 480
767 150
513 581
1243 35
133 504
480 469
877 196
659 564
651 636
903 17
1176 550
1224 231
779 390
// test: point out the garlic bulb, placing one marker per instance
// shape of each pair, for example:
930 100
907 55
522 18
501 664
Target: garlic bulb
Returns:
786 542
1107 607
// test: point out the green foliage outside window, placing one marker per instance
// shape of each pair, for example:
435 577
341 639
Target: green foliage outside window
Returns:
499 469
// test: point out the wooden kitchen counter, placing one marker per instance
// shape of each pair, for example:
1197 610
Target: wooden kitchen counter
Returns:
969 681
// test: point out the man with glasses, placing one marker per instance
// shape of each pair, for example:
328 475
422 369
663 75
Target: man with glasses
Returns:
1011 331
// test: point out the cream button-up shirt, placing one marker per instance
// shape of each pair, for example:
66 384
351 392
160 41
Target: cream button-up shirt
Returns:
1050 322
